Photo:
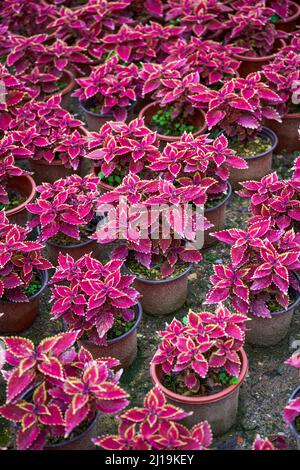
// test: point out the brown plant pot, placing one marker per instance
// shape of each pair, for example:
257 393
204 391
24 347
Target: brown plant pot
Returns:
123 348
295 394
25 185
198 120
66 93
217 216
81 442
287 132
45 172
289 24
95 121
106 188
270 331
258 166
250 64
76 251
164 296
17 317
219 409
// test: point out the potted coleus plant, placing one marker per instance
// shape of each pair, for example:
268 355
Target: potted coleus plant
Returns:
260 280
12 96
24 277
283 76
192 160
57 141
17 188
64 214
119 148
238 110
156 235
100 303
156 426
291 412
286 14
55 401
200 365
171 113
108 93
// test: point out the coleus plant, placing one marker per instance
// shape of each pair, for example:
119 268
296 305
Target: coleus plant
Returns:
280 8
49 132
273 442
157 225
65 207
291 413
20 258
119 148
111 88
89 296
156 426
239 107
58 391
12 93
260 276
204 344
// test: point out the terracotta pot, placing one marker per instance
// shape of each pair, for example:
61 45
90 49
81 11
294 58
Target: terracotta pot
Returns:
250 64
25 186
287 132
95 120
198 120
66 93
295 394
217 216
45 172
289 24
219 409
76 251
270 331
258 166
20 316
165 296
81 442
123 348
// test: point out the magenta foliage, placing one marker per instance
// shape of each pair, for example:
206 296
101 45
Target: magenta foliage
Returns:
19 259
12 94
292 410
89 296
64 207
120 147
50 132
167 204
110 86
239 107
273 442
52 389
205 342
156 426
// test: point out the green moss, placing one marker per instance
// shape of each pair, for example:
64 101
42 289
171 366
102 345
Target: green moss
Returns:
154 273
251 148
4 433
15 200
214 201
165 124
120 327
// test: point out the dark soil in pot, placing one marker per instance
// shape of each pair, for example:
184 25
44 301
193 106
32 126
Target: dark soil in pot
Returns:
259 164
121 342
20 316
216 214
95 119
82 439
21 189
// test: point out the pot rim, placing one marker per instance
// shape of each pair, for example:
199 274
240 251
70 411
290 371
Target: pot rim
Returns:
291 116
246 58
99 115
70 86
274 141
77 438
78 245
295 394
22 206
169 138
161 281
44 280
293 17
139 309
206 400
101 184
223 202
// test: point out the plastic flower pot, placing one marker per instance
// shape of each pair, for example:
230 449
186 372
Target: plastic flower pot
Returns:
197 119
66 93
164 296
25 185
250 64
270 331
18 316
219 409
295 394
45 172
217 216
287 132
258 166
95 120
76 250
123 348
81 442
290 23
